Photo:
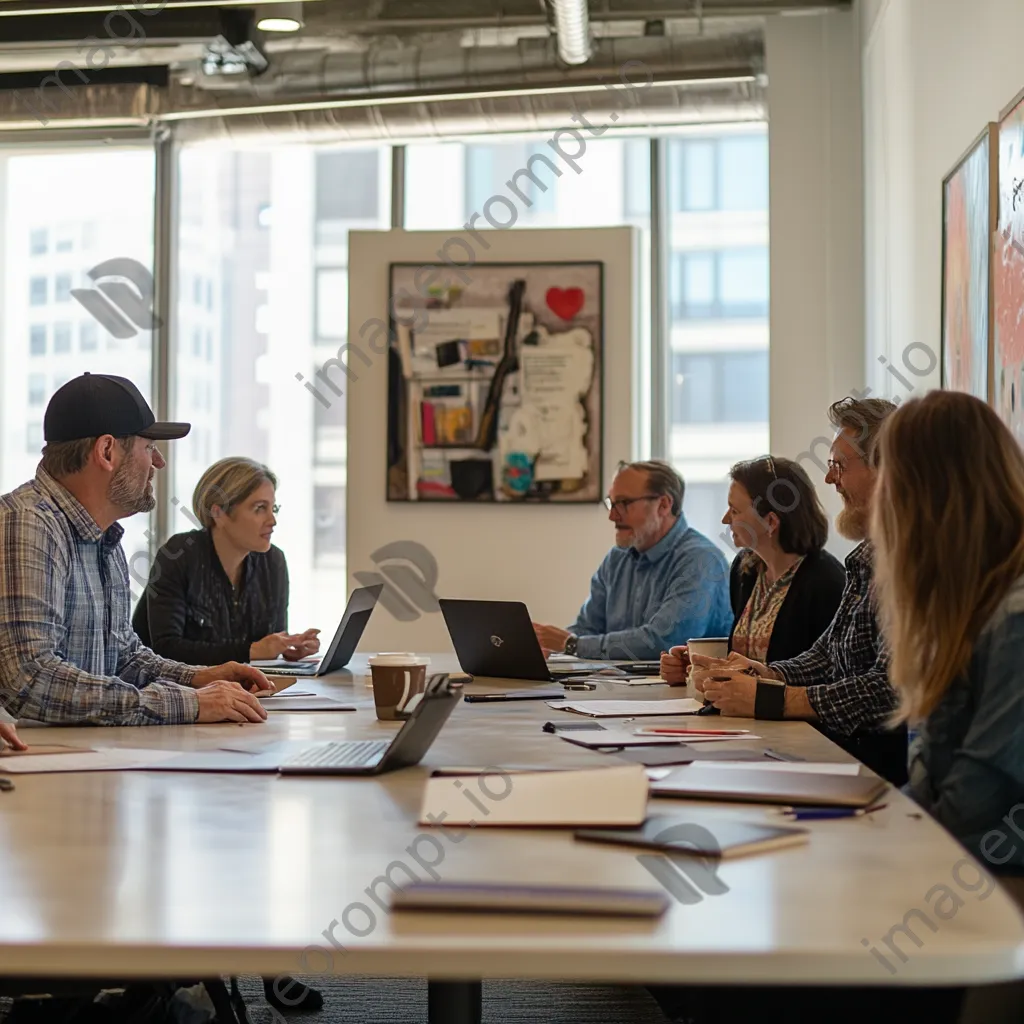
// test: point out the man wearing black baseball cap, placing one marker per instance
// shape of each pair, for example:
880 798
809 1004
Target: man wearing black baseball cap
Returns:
68 653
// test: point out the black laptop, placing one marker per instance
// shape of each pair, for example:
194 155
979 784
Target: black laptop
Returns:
427 713
346 638
496 638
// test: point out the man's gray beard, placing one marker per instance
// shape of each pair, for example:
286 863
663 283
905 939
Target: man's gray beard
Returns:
121 495
852 522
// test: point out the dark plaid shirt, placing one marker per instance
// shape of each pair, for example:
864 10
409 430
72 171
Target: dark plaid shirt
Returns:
846 671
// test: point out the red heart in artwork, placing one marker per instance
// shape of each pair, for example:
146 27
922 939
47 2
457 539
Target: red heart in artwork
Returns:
565 303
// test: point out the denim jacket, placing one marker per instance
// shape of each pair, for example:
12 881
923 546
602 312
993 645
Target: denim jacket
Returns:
967 763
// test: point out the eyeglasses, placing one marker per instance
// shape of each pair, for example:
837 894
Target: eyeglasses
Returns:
838 468
622 504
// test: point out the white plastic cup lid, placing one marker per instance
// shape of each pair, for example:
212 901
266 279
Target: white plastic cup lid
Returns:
404 660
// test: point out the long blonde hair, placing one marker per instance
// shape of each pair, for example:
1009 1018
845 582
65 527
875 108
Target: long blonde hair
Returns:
948 526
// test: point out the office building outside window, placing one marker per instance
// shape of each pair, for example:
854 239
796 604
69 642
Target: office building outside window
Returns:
718 303
263 256
45 198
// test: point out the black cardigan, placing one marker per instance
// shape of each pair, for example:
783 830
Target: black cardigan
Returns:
189 611
811 603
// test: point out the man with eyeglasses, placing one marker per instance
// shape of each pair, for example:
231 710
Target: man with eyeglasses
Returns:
841 683
68 654
662 584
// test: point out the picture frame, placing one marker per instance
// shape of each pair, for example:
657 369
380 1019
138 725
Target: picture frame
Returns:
970 197
495 383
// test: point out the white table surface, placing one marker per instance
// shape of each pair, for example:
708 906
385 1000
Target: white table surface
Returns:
150 873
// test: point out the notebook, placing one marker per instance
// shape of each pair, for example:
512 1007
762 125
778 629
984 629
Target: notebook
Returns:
629 708
751 785
589 796
705 837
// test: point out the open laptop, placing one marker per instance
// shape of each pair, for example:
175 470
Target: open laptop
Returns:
428 711
496 638
346 638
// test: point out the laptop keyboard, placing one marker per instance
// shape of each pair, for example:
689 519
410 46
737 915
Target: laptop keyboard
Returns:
348 754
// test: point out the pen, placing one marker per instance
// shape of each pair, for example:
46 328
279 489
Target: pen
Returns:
691 732
826 813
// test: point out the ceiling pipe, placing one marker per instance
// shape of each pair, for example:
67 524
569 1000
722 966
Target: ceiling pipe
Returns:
572 30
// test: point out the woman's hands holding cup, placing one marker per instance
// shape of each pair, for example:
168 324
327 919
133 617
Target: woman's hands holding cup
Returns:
704 669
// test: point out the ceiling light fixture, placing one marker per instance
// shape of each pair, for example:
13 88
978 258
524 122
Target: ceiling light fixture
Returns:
572 30
279 17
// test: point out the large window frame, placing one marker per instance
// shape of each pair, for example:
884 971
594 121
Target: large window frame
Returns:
662 199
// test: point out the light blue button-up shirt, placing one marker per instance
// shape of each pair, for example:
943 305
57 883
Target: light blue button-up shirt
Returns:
643 603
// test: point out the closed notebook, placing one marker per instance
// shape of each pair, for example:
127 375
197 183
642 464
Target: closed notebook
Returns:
756 787
566 799
705 837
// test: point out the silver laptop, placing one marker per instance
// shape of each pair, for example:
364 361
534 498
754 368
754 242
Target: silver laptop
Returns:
346 638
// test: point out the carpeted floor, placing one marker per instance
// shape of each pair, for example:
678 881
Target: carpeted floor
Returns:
391 1001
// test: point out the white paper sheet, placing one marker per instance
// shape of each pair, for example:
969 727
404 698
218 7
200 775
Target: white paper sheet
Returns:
105 759
810 767
629 708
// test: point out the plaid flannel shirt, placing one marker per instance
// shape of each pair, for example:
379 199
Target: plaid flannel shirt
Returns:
846 671
68 653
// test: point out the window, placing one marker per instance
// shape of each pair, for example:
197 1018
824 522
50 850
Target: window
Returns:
102 193
725 173
263 215
637 155
720 387
61 338
347 185
37 340
209 295
728 283
87 336
743 172
36 388
718 304
197 291
332 302
532 169
255 406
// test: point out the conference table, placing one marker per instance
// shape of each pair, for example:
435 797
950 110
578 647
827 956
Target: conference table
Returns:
143 874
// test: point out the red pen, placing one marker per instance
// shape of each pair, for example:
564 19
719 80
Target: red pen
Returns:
653 731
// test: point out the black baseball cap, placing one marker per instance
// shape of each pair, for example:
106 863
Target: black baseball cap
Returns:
99 403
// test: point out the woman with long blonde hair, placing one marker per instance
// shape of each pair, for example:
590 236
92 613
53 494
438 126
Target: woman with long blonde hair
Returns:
948 527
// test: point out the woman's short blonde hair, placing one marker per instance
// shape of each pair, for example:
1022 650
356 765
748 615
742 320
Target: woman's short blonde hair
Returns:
226 484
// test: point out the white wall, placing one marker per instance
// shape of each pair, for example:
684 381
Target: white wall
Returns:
935 72
541 555
816 228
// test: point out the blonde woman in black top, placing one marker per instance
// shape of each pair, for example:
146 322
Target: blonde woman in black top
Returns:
221 593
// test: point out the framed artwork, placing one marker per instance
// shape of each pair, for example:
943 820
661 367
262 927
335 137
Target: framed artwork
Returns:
969 209
495 384
1008 271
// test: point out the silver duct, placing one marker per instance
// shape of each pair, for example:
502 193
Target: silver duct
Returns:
424 92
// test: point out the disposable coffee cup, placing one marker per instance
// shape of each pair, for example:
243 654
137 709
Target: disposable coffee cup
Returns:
396 679
709 647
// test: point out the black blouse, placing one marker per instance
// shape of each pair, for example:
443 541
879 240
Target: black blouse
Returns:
190 612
